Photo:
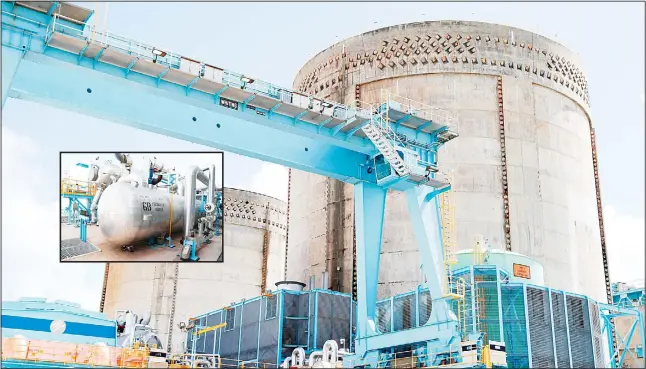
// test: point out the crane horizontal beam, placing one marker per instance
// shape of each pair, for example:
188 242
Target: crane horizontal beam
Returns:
64 85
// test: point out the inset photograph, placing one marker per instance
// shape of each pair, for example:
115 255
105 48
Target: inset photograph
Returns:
141 207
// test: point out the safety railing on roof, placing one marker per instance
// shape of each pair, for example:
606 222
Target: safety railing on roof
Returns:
142 51
417 108
90 33
18 348
74 187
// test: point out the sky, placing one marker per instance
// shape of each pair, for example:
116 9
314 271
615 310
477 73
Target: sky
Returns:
272 41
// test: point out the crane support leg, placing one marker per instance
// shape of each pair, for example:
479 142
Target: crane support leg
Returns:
369 205
425 217
423 208
11 59
441 330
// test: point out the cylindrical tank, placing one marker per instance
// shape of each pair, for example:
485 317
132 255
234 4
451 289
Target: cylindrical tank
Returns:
523 170
290 285
129 214
254 244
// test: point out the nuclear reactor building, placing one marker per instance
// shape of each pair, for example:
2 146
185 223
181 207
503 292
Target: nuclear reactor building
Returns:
524 169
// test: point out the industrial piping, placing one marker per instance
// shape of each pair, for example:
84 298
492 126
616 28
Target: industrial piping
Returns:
194 174
211 195
102 184
109 174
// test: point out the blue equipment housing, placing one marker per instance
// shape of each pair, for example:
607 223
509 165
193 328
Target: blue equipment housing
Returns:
33 318
541 327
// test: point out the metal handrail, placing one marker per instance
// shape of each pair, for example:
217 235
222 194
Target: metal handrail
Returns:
73 187
90 33
140 50
417 108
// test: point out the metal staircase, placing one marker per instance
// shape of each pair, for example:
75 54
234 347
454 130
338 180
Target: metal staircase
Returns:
375 134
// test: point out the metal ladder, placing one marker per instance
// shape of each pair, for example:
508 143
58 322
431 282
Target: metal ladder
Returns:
476 308
448 232
386 148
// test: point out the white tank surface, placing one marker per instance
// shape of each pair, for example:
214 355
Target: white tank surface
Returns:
128 214
254 244
523 168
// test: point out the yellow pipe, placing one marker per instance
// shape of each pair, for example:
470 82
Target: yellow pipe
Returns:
486 356
210 328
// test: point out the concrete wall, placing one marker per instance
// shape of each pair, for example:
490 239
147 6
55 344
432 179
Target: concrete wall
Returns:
542 163
203 287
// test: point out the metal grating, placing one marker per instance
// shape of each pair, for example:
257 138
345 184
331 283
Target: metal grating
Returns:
74 247
560 330
513 318
466 310
580 335
487 306
332 318
596 335
383 316
425 306
296 309
540 328
404 313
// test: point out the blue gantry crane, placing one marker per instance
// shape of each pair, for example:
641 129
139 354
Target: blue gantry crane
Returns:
51 56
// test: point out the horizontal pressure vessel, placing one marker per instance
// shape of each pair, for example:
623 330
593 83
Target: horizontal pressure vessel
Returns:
128 214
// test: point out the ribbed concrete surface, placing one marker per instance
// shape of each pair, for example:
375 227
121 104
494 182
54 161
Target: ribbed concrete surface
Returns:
552 201
202 287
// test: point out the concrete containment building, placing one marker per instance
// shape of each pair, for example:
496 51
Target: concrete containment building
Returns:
524 167
254 257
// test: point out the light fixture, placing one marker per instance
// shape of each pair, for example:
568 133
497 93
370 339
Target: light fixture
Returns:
246 79
159 52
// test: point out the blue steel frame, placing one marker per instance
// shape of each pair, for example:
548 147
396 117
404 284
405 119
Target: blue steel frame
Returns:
610 312
83 228
632 297
498 282
38 72
33 70
607 313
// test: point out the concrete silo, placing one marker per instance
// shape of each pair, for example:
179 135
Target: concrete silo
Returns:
524 167
254 245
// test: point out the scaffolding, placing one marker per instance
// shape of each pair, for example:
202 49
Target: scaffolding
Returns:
79 195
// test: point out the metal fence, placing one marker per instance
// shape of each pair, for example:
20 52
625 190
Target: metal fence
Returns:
579 332
560 330
540 327
260 332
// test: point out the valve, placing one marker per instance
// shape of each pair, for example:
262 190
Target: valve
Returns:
209 208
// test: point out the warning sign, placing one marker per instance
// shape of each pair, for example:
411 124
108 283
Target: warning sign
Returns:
522 271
